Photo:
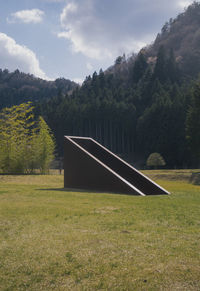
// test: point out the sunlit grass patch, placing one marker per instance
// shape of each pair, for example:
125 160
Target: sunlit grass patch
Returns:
52 239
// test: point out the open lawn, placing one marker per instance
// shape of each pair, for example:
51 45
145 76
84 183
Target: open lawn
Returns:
52 239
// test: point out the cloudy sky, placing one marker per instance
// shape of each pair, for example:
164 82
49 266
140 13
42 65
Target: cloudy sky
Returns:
74 38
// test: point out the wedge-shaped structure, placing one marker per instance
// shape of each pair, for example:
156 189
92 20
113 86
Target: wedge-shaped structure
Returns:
90 166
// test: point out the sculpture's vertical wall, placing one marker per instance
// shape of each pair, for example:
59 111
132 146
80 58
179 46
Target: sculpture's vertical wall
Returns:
88 165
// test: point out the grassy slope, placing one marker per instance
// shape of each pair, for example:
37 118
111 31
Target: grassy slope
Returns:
56 240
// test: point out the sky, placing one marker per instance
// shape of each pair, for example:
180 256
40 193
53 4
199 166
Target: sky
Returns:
73 38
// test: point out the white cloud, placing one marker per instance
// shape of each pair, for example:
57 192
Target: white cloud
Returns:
78 81
105 29
70 8
55 1
63 34
184 3
27 16
89 66
14 56
84 30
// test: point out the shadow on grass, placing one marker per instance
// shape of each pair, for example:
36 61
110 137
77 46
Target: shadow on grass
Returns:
63 189
90 191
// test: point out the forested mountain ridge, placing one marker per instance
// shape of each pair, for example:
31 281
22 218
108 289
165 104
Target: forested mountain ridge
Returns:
17 87
147 117
136 107
141 105
181 35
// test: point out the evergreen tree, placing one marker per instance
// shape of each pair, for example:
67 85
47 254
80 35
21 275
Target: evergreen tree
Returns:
139 67
193 123
160 66
172 71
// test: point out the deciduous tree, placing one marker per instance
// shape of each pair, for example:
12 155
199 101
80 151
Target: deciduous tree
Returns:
23 139
155 160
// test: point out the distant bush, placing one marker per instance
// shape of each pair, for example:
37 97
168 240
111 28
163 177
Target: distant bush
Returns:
155 160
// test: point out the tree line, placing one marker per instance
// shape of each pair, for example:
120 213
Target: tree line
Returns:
148 103
17 87
151 110
135 116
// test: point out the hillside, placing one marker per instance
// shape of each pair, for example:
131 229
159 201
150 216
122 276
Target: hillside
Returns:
140 105
17 87
182 34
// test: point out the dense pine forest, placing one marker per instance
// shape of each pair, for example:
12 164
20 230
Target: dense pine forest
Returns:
135 117
146 103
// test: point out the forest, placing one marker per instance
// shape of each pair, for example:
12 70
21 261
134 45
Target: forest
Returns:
17 87
144 114
143 104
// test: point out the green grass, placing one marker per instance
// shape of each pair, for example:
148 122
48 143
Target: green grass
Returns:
52 239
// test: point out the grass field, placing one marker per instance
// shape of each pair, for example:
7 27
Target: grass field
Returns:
52 239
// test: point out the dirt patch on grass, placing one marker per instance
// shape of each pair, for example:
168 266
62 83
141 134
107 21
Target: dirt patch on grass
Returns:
105 210
171 175
195 178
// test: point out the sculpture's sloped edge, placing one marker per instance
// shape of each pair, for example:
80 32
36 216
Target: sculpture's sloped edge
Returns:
90 166
84 171
133 172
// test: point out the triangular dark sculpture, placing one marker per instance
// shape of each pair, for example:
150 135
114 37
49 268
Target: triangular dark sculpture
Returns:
90 166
